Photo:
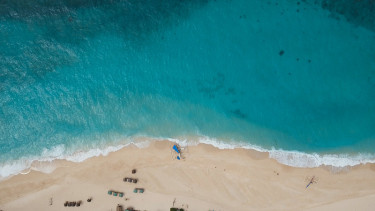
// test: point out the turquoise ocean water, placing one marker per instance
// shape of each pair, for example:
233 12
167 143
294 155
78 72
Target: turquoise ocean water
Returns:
81 78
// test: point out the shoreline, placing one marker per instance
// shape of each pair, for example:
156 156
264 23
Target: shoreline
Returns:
208 178
290 158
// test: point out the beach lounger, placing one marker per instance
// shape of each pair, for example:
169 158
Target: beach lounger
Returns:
66 204
138 190
121 194
110 192
78 203
134 171
127 179
115 193
119 208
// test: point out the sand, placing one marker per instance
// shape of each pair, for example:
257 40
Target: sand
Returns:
207 179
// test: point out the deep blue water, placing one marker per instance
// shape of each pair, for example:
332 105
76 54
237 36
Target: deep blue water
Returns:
291 75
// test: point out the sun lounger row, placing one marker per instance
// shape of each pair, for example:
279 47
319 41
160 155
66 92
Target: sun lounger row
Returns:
115 193
127 179
176 209
72 203
138 190
119 208
130 209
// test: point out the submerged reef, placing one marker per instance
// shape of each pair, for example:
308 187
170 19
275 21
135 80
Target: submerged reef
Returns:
358 12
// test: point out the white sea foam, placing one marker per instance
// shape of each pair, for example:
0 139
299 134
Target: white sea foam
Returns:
300 159
25 164
56 152
296 158
44 162
13 167
80 156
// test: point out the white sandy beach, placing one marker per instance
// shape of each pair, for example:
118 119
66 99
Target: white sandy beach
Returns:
207 179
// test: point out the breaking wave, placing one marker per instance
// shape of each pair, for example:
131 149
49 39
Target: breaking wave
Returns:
45 162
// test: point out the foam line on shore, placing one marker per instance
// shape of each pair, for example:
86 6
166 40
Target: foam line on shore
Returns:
44 163
292 158
296 158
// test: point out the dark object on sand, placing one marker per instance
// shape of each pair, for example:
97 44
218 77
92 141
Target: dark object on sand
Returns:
178 150
66 204
134 171
127 179
89 199
115 193
78 203
176 209
74 203
129 209
119 208
312 180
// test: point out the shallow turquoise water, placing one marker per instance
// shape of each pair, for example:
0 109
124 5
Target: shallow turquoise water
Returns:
80 75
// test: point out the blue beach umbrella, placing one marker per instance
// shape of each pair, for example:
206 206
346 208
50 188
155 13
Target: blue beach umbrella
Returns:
176 149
